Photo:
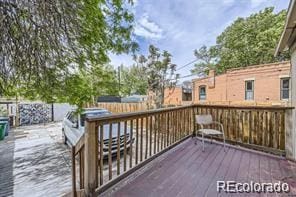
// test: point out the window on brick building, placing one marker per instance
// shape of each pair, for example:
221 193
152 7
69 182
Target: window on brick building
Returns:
202 93
186 94
249 90
285 88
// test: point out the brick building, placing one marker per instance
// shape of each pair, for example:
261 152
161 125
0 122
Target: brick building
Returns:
179 95
260 84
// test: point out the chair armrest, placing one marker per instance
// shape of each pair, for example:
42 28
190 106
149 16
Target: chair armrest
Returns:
201 125
219 123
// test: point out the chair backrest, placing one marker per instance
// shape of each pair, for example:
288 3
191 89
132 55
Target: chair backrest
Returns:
204 119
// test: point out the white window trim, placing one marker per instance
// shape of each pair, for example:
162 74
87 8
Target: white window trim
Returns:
253 80
250 79
284 76
281 78
199 87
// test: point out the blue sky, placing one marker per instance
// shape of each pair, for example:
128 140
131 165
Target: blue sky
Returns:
180 26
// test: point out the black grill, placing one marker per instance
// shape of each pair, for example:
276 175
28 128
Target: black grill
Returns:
114 142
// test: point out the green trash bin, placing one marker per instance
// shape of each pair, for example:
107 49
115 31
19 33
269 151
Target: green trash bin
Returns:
5 120
2 130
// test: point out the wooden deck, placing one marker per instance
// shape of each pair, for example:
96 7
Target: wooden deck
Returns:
187 171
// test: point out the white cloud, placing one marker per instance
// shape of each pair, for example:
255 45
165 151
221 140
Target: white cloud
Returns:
180 26
147 28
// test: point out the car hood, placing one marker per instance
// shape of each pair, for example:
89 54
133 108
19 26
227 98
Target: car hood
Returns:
114 126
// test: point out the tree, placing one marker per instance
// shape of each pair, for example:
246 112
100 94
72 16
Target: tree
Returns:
247 41
102 81
48 46
207 60
87 85
133 80
107 83
160 73
251 40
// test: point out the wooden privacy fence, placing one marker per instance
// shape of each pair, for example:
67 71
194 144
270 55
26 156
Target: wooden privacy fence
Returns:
121 107
114 146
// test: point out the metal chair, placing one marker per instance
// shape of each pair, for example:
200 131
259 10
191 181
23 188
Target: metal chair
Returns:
203 120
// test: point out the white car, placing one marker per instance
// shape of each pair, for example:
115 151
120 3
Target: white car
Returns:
73 129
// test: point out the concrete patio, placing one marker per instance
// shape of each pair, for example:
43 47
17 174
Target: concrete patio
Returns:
35 162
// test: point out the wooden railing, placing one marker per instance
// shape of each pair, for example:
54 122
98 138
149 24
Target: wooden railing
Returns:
259 127
114 146
282 103
78 156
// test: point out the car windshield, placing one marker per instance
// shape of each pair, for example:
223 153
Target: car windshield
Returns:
93 114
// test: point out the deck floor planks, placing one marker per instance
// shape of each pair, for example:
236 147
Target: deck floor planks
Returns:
188 171
176 174
181 173
242 175
209 174
222 170
174 159
254 170
173 166
233 171
197 175
192 175
168 166
288 170
265 172
275 171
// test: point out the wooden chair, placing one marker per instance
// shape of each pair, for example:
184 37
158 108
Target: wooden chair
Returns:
204 120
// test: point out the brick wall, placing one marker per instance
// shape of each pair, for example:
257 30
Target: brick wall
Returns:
230 87
173 96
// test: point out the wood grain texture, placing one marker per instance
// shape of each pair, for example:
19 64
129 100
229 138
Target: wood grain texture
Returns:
257 127
187 171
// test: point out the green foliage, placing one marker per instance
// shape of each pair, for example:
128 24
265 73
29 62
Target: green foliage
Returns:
247 41
251 40
207 60
133 80
76 90
3 111
86 85
53 48
160 72
103 80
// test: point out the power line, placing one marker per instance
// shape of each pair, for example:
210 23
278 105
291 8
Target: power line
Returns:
187 76
189 63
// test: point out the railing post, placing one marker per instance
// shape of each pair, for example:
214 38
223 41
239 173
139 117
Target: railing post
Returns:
290 134
90 158
194 131
74 193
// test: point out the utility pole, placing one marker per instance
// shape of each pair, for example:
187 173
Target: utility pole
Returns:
119 79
